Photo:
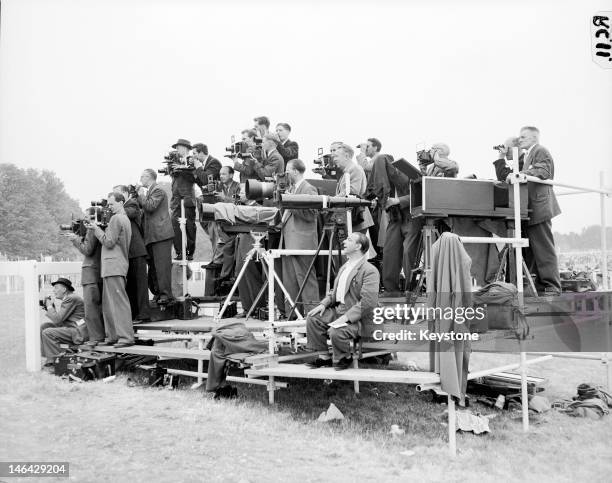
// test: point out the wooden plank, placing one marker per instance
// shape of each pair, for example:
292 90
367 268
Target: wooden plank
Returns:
362 375
157 351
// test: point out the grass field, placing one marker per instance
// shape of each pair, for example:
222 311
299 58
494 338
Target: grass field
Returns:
112 432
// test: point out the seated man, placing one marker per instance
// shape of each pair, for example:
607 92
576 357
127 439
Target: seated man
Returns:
351 302
67 325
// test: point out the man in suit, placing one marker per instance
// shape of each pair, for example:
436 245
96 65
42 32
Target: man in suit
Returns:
136 285
67 325
261 126
245 165
350 303
91 281
207 169
272 162
441 166
369 151
183 182
540 256
299 232
288 149
343 157
223 254
115 240
158 235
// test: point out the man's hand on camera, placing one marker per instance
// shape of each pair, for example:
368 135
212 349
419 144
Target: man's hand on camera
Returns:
319 309
142 191
391 202
72 236
48 302
90 225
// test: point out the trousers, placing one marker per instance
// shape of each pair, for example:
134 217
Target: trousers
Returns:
400 250
190 229
116 309
541 257
92 300
317 331
51 336
137 288
160 267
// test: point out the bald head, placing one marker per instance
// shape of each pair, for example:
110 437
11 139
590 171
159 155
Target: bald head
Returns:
442 149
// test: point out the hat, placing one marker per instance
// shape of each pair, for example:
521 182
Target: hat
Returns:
65 282
182 142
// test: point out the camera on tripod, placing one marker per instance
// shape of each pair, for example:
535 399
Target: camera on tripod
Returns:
326 166
175 164
272 188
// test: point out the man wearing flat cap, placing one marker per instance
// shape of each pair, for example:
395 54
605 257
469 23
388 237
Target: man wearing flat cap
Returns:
67 324
183 182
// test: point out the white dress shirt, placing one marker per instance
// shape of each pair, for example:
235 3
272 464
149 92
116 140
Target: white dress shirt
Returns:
343 279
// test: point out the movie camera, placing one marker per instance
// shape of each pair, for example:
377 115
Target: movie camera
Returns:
175 164
326 166
242 149
98 213
424 157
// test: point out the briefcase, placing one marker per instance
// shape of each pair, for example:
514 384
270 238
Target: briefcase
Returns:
86 366
186 309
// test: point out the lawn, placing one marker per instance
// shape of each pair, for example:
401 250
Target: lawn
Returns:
112 432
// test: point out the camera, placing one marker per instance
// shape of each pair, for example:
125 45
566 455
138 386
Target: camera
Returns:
242 149
43 302
326 166
424 157
272 188
99 213
174 164
500 147
133 190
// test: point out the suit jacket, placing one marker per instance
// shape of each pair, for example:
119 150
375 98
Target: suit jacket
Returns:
90 247
183 183
272 164
542 200
211 167
362 292
115 242
70 312
362 218
289 150
300 226
228 192
156 221
134 213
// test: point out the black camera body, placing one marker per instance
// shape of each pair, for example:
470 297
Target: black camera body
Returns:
272 188
424 157
175 164
99 213
43 302
326 166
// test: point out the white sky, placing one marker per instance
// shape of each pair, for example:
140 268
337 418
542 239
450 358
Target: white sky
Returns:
97 91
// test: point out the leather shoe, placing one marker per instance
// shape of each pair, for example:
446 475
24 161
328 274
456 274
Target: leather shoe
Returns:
119 345
319 363
226 392
343 363
107 342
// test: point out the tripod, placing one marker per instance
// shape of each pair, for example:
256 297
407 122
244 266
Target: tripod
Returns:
334 228
257 253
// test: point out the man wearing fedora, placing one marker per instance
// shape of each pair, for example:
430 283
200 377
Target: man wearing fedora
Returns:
183 183
67 325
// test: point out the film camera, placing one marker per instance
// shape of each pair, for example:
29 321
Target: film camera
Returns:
272 188
99 213
326 166
424 157
242 149
175 164
43 302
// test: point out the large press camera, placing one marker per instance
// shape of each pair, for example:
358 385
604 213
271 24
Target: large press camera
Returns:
175 164
98 213
272 188
326 166
242 149
424 157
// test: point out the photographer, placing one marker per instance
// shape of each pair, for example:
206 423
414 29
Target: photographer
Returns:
67 325
136 285
437 163
368 152
223 250
207 169
343 157
115 242
91 281
261 126
287 149
183 182
244 165
299 232
272 162
157 236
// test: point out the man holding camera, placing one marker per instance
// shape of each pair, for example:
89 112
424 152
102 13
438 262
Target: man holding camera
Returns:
67 325
158 235
136 284
115 242
353 176
287 149
91 281
299 232
437 162
183 182
540 256
261 126
346 308
368 152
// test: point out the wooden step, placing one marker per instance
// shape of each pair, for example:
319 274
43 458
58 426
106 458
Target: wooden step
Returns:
157 351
